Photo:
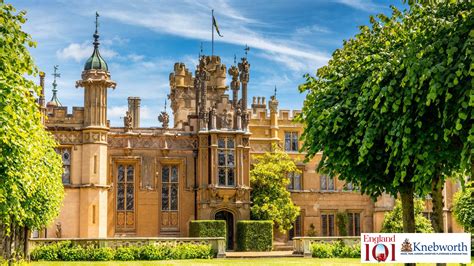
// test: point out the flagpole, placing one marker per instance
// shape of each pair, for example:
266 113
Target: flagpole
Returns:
212 29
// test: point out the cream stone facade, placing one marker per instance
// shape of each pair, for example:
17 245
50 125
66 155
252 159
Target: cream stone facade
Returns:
136 181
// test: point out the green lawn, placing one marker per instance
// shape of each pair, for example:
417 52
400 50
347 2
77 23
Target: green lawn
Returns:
232 262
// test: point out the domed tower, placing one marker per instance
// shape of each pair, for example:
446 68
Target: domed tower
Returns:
93 206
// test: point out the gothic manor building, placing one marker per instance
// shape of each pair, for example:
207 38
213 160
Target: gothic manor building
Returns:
148 182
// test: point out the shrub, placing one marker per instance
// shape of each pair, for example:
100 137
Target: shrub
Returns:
99 254
335 250
321 250
152 252
73 253
207 228
127 253
254 235
66 251
190 251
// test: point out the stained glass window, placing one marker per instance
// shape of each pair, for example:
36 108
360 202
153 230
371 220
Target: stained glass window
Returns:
226 161
169 189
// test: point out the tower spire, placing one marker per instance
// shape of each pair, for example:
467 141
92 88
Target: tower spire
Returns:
54 100
96 61
275 93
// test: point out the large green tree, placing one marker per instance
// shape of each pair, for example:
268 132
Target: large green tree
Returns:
270 197
30 170
392 110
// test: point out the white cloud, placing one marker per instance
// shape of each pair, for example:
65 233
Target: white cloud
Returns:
116 112
364 5
312 29
191 20
79 52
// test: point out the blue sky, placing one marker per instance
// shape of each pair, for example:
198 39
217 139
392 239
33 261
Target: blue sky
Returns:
142 39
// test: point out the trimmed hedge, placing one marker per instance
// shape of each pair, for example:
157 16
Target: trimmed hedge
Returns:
207 228
68 251
254 235
335 250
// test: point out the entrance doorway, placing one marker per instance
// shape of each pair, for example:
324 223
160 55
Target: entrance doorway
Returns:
228 217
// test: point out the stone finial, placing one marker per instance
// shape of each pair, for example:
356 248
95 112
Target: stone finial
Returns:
128 122
244 68
164 118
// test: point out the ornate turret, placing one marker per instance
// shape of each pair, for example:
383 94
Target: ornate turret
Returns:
95 80
96 61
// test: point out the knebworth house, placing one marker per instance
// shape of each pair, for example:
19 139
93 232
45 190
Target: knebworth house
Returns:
152 181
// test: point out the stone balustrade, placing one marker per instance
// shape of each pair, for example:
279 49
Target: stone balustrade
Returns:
302 245
217 243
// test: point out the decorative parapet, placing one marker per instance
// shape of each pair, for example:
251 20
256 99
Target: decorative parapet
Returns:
217 243
60 115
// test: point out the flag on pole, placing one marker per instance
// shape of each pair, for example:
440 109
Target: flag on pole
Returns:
214 22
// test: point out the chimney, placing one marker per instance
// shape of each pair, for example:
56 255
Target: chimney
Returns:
134 110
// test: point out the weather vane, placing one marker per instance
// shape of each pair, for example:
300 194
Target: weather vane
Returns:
247 49
56 75
275 94
235 59
201 51
96 21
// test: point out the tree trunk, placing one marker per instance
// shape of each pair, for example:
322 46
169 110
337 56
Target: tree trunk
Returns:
437 201
408 211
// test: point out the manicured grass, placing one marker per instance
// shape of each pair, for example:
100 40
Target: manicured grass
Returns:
230 262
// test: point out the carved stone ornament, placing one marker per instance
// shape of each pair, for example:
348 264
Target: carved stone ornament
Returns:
164 118
225 119
128 122
244 68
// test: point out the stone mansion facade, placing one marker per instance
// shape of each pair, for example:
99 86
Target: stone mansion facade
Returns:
148 182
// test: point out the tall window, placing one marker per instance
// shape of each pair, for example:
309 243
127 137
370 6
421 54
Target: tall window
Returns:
291 141
295 181
125 197
327 183
169 190
226 161
66 156
169 196
327 224
354 223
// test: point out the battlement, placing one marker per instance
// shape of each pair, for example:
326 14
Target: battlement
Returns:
181 76
59 115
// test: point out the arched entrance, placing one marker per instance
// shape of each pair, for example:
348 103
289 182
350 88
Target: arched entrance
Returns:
228 217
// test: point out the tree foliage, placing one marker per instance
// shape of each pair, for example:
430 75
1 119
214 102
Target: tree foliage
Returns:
394 106
30 170
270 197
463 207
392 222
